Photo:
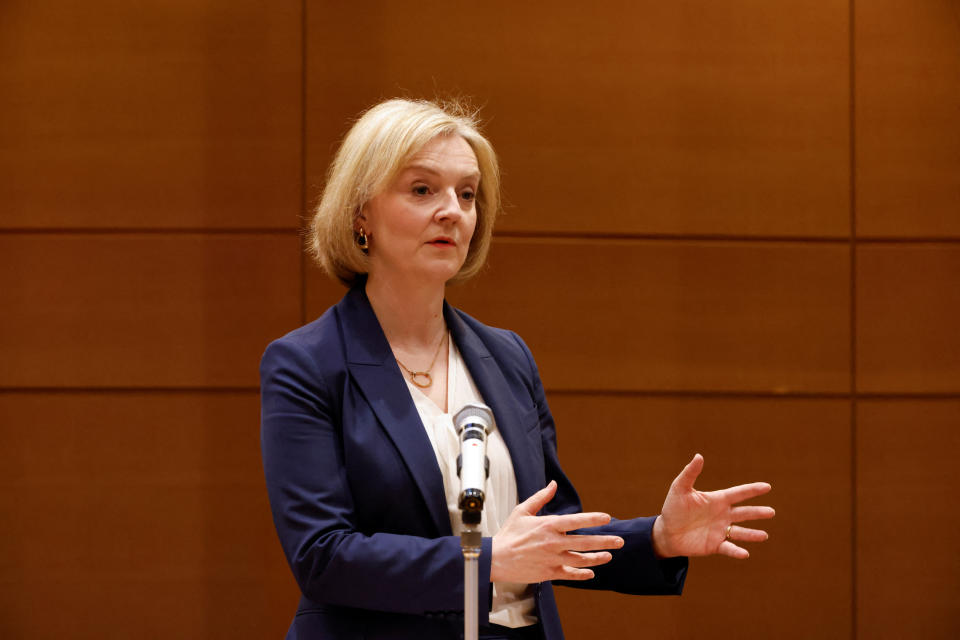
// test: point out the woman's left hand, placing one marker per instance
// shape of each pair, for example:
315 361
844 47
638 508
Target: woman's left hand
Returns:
700 523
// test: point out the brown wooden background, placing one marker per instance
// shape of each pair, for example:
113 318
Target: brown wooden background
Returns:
733 228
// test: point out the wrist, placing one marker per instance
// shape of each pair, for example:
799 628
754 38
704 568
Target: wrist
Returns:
659 539
494 556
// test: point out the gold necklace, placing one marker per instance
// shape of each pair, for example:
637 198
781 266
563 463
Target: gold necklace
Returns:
423 374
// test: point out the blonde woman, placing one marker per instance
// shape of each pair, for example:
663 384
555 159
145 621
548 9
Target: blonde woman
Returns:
358 442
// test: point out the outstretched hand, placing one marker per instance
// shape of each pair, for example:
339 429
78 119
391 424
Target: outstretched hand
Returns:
700 523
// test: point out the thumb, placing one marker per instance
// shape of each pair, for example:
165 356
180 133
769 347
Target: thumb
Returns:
532 505
689 475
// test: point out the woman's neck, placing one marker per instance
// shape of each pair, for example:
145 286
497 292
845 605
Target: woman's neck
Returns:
410 314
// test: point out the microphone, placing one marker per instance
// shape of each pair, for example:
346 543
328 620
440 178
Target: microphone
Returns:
473 423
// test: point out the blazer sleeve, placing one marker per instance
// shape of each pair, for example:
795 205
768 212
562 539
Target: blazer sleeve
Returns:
635 568
334 562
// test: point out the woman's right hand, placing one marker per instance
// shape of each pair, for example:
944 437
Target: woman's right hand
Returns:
531 548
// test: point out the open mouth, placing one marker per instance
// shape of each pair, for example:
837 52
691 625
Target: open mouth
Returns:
442 242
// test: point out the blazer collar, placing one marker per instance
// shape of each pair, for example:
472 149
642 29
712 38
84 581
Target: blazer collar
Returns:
372 365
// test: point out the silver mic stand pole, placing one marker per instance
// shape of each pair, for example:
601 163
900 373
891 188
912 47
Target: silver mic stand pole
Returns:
470 541
473 422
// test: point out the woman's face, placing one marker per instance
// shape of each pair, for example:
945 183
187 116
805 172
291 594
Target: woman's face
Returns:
420 225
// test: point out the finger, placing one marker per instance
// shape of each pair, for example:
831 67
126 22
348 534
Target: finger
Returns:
571 521
532 505
727 548
744 534
591 543
745 491
572 573
740 514
574 559
688 476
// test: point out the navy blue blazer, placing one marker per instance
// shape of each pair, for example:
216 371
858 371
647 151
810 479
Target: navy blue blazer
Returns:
357 495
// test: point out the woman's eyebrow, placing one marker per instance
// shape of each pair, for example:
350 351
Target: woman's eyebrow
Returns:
433 170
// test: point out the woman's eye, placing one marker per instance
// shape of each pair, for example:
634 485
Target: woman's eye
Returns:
421 190
468 195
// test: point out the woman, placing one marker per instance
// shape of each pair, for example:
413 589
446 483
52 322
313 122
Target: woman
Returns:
358 445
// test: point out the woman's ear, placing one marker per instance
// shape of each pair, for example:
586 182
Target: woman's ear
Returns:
359 233
359 220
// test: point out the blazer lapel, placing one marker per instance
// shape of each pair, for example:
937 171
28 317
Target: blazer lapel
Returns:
373 367
494 388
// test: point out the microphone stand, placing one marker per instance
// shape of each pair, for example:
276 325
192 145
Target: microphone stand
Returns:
473 423
470 541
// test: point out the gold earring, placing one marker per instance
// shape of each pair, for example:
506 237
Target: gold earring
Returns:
362 240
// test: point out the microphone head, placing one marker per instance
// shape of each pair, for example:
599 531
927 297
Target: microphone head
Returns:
473 413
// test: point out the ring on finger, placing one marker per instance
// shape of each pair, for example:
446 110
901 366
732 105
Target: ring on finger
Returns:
727 535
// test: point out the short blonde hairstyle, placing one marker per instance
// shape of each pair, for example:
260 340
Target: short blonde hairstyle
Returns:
375 149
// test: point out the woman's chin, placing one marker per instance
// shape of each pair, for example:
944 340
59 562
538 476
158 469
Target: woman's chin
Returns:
441 271
428 272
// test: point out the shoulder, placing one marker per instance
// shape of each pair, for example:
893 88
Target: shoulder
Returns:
316 346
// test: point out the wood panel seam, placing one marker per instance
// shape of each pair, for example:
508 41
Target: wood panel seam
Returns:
303 157
853 325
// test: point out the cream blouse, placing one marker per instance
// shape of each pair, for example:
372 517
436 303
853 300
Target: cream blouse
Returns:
513 603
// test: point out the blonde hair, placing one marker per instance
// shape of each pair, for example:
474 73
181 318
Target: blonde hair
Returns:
375 149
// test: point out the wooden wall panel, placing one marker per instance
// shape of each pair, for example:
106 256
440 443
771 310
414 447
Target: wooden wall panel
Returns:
132 310
158 114
908 565
637 117
137 515
908 141
908 302
622 452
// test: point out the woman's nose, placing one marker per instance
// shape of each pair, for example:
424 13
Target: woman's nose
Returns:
450 205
